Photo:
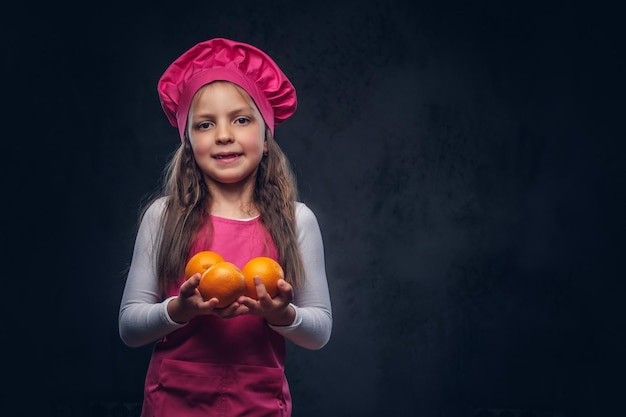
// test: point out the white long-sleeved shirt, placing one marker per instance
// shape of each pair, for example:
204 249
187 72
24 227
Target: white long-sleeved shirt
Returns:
143 316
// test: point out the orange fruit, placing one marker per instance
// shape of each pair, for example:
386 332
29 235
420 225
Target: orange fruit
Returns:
223 281
202 261
265 268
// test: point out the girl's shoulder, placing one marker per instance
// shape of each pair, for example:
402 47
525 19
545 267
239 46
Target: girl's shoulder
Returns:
305 217
154 210
302 210
157 205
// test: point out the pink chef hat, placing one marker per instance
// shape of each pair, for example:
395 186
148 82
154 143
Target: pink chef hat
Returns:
227 60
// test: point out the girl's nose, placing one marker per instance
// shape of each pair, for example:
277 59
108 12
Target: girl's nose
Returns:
224 134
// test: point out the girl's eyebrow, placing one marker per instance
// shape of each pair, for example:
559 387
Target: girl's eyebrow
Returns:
231 113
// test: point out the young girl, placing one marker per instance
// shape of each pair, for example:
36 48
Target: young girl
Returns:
228 189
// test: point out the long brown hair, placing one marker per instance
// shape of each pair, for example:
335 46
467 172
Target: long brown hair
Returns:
189 199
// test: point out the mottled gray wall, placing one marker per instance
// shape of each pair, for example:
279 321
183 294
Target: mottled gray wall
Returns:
461 158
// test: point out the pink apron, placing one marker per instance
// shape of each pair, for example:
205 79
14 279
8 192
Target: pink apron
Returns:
217 367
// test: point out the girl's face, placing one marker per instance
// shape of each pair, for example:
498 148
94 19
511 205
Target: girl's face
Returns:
227 134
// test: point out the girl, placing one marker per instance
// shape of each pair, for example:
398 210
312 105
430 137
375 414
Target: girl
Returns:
228 189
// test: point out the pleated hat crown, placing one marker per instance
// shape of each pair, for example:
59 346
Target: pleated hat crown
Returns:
226 60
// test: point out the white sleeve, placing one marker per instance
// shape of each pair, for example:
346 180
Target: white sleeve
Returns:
143 315
312 326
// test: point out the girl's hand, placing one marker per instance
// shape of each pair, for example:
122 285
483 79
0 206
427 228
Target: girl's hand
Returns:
275 311
189 302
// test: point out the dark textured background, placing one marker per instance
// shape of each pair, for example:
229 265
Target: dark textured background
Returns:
465 162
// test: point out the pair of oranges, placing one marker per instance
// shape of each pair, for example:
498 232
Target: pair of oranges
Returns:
226 282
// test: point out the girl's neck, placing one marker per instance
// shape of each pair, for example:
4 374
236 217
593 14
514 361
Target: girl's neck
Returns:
233 211
232 202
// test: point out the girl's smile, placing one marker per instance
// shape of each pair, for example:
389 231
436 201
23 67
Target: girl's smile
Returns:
227 157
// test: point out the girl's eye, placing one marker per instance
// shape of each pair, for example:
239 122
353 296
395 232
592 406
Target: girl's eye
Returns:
205 125
242 120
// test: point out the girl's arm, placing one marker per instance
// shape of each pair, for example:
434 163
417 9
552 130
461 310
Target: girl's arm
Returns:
313 323
143 315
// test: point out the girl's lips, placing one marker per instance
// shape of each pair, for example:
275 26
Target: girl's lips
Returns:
226 157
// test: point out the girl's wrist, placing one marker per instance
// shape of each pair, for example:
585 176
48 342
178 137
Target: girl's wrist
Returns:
173 308
283 318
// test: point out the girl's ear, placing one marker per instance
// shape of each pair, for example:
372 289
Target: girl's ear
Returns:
265 147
